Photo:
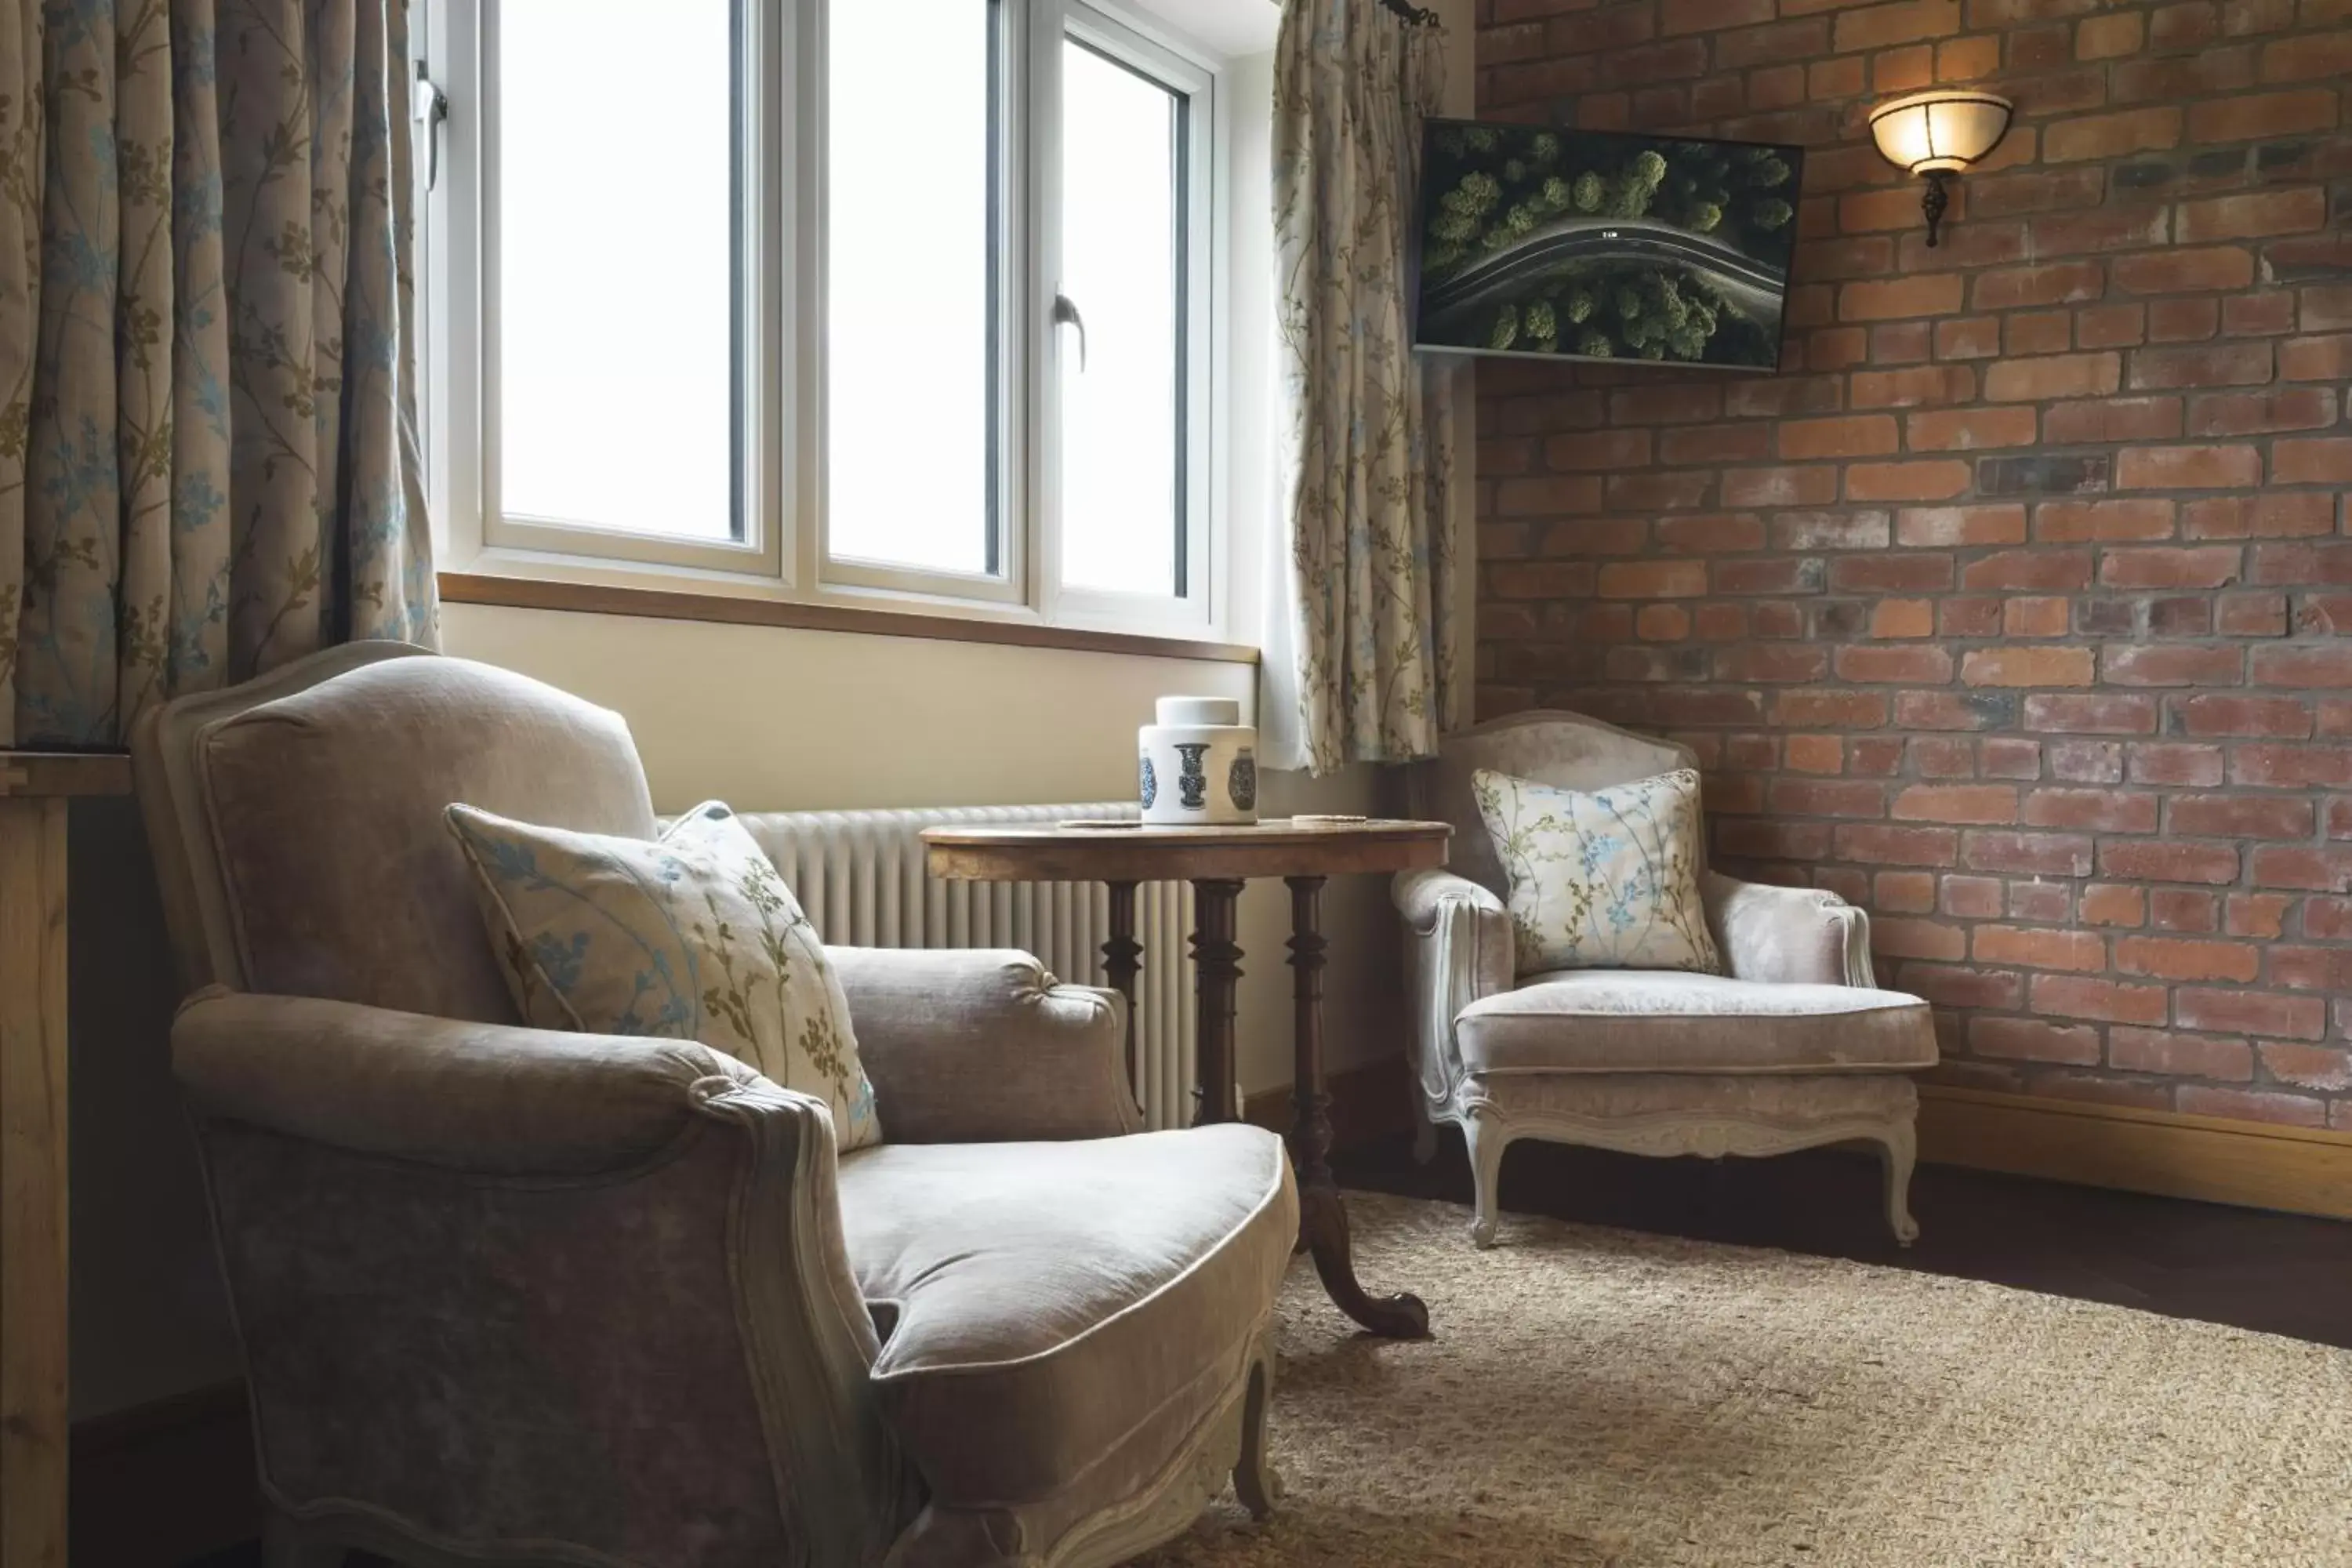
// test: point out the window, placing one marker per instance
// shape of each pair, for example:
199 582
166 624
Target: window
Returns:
829 299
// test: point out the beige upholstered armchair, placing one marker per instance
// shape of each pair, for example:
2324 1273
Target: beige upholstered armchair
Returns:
538 1298
1794 1047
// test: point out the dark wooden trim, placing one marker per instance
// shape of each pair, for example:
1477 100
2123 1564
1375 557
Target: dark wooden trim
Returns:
25 774
2256 1164
165 1483
727 609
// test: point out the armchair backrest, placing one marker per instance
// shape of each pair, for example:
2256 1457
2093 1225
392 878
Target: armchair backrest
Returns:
296 820
1546 745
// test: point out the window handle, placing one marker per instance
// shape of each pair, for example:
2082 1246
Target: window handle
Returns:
432 111
1066 314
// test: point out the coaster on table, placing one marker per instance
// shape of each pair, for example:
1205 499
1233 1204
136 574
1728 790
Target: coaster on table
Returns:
1089 824
1319 819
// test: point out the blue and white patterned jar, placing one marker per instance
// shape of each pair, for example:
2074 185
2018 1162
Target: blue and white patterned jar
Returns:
1197 767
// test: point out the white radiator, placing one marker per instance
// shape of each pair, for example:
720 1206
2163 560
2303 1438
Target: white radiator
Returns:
860 876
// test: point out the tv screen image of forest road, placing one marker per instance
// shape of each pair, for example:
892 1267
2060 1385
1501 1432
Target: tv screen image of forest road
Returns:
1600 246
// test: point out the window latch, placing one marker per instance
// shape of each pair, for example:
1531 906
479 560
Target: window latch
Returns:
431 112
1066 314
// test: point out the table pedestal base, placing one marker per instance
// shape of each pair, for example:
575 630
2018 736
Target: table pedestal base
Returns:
1216 955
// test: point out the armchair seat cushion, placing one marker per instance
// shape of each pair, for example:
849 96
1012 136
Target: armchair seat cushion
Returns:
1655 1021
1059 1318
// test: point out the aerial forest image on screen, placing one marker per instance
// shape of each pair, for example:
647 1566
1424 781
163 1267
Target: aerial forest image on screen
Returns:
1595 246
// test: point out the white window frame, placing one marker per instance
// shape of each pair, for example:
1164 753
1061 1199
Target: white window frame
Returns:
784 553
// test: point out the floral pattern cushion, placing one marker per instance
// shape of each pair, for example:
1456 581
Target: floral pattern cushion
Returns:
1606 880
692 936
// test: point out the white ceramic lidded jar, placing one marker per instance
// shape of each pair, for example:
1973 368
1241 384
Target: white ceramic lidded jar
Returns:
1198 765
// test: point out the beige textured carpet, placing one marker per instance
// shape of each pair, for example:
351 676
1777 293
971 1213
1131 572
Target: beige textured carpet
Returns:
1597 1396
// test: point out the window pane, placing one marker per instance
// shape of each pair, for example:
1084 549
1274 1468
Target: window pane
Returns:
1122 446
617 265
909 413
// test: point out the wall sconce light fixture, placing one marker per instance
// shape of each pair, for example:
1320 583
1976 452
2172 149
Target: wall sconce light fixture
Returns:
1937 133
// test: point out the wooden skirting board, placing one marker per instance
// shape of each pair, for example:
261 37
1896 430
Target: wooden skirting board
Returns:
2253 1165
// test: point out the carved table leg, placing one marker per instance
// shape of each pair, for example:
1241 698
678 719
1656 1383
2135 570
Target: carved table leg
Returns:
1122 959
1217 960
1322 1219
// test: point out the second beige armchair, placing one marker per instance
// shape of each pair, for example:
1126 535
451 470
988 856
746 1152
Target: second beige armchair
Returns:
1794 1047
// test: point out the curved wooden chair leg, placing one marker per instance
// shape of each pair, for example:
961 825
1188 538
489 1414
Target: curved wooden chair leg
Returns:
1484 1133
1254 1481
1898 1152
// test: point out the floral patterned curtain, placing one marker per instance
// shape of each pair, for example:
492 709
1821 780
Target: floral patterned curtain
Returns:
1360 658
208 458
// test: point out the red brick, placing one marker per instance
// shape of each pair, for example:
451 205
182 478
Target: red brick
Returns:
2183 319
2104 37
1879 845
1894 665
2028 666
2080 997
2179 1055
2026 948
2178 958
1894 938
2112 136
2199 567
2261 413
2053 376
2238 817
2149 861
2312 461
2316 57
2259 115
1815 486
2029 1039
2035 616
2157 665
2112 419
2297 211
2103 521
2251 1012
1906 21
2028 853
2242 363
2092 810
2327 667
2056 283
1928 479
2292 767
1652 580
1933 294
1853 435
2184 271
2182 909
2175 763
1956 802
2315 359
2102 714
2308 1067
2278 515
2050 571
1969 429
1602 449
2113 904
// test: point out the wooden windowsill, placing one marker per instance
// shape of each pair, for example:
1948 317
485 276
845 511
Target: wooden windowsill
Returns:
666 605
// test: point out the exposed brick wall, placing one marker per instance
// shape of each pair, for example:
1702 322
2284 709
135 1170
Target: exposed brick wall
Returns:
2016 608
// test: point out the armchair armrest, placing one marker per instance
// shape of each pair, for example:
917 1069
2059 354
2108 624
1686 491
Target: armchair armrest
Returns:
430 1227
968 1045
1459 947
490 1097
1788 935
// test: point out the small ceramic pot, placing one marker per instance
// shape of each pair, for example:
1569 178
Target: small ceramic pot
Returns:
1198 765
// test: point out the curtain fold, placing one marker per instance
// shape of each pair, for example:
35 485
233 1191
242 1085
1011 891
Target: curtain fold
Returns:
208 453
1359 646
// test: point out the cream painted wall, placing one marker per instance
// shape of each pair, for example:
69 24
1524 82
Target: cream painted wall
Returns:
796 721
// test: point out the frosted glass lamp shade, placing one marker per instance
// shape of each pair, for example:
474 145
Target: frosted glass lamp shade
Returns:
1941 130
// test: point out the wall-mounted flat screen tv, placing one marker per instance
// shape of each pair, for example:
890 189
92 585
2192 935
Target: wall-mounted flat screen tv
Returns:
1593 244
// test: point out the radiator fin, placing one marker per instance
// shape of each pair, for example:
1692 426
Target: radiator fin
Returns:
861 877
